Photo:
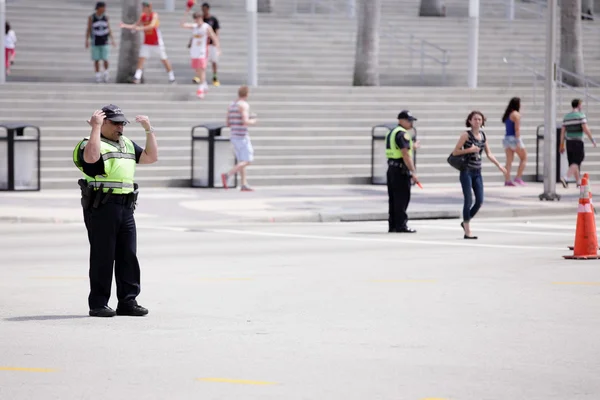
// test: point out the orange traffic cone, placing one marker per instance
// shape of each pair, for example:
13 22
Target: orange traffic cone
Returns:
587 176
586 239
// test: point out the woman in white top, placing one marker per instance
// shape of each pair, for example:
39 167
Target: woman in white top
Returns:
10 41
201 31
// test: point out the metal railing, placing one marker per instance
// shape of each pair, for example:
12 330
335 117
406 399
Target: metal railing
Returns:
328 7
425 49
537 68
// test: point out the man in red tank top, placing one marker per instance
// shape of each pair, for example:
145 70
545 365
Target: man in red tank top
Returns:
153 43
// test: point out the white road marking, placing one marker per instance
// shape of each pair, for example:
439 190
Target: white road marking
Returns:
163 228
515 232
399 240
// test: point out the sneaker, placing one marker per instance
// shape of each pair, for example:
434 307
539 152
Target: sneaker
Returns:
216 82
224 180
196 79
105 76
200 93
509 183
564 182
136 81
519 181
172 81
247 188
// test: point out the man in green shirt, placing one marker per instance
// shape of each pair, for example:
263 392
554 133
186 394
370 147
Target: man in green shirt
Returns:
574 126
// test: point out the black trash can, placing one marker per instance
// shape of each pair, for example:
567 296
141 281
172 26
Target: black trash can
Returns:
378 159
539 166
211 156
19 157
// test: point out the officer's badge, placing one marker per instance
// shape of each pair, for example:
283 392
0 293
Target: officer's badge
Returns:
407 136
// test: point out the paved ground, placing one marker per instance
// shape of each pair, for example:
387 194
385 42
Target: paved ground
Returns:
307 311
193 207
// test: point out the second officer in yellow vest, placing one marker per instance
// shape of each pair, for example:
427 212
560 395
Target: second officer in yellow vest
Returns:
108 160
401 172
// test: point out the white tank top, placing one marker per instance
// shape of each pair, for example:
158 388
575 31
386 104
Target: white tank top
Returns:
199 46
234 114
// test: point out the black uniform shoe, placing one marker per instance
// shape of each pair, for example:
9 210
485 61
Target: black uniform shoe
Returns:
105 311
406 230
132 311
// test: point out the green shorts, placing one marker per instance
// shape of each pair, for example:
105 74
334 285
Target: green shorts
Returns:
100 52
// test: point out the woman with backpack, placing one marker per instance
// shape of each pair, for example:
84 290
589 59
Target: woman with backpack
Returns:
470 145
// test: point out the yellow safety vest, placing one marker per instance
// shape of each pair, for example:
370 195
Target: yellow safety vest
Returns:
119 164
392 151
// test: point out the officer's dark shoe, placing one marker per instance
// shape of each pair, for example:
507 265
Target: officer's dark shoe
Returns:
132 311
105 311
406 230
392 230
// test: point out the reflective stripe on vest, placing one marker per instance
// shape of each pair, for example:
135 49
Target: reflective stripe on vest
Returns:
392 151
119 165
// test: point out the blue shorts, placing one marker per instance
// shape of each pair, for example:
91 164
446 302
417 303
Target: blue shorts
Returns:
100 53
510 142
242 147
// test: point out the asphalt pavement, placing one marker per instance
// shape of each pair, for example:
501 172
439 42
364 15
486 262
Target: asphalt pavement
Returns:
307 311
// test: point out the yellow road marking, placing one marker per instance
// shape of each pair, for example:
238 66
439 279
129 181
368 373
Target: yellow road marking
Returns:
59 277
224 279
434 398
403 280
27 369
577 283
237 381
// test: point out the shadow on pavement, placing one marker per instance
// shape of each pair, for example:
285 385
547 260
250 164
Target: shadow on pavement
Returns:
44 318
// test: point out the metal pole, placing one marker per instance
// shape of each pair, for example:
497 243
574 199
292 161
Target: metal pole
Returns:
3 52
251 10
473 42
510 10
169 5
550 107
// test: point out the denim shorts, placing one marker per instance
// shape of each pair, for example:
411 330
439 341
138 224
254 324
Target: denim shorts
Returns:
510 142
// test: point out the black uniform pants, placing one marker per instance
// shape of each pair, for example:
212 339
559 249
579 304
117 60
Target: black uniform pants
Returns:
398 186
113 241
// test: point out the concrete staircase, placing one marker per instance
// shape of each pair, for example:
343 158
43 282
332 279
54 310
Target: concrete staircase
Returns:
314 128
306 135
291 48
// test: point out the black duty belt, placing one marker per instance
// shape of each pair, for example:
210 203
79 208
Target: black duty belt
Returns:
396 163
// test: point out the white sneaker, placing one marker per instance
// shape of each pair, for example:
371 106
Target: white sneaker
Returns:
105 76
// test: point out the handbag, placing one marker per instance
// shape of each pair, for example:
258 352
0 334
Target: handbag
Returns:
458 162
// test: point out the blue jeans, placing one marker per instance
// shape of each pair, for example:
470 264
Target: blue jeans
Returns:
471 179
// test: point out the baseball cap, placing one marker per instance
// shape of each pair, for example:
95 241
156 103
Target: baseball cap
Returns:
114 113
405 114
146 4
100 4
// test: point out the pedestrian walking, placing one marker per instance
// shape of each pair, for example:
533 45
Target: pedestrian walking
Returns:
238 120
201 33
571 139
214 49
471 144
401 173
513 143
10 44
108 160
149 23
99 33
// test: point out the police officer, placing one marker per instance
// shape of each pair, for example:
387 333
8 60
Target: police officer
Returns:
108 160
401 172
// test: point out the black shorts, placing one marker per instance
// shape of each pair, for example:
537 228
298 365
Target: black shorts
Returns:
575 152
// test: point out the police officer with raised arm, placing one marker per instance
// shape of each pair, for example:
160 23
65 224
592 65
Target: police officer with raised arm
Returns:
401 172
108 161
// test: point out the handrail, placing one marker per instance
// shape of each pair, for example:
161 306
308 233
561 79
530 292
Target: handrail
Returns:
421 49
350 7
587 81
